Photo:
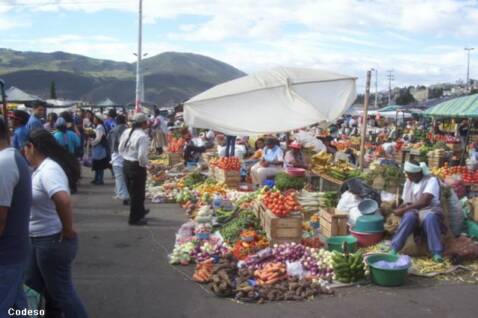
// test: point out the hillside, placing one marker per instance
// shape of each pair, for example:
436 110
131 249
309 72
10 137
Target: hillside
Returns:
170 77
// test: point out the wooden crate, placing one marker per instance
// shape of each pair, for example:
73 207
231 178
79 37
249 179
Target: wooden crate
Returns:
399 157
455 147
174 158
281 230
230 178
333 224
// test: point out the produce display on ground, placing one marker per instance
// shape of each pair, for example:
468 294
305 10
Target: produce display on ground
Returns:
225 236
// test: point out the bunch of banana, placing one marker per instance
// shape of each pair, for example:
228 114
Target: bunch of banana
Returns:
340 170
321 161
348 268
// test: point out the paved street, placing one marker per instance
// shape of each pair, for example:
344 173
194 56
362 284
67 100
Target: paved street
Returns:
122 271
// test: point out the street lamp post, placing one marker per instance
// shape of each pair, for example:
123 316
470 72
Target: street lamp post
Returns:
468 49
138 101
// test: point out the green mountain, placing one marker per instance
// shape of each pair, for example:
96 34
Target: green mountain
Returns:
169 77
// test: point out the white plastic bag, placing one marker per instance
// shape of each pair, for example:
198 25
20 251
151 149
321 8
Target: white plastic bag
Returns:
295 269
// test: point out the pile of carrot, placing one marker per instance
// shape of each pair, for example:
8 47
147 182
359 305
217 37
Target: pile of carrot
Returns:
203 272
175 144
271 273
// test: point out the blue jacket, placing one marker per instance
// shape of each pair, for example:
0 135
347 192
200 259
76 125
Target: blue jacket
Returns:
69 140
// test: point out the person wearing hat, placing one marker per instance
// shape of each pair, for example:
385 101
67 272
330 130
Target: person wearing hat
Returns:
294 158
99 153
133 147
271 163
421 211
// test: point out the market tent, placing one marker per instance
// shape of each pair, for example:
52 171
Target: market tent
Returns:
106 103
277 100
17 95
464 107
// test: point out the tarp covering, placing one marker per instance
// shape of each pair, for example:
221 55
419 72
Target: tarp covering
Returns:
106 103
464 107
17 95
276 100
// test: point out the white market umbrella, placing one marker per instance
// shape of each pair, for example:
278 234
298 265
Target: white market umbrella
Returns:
277 100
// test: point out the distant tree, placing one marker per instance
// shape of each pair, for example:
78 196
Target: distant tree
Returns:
405 97
359 99
435 92
53 90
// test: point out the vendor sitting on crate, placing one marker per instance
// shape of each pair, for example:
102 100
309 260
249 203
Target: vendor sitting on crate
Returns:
294 158
420 211
270 164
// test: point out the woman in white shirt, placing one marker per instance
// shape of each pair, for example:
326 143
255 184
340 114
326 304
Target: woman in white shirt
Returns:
53 238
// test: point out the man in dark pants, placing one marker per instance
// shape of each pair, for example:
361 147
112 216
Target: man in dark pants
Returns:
133 147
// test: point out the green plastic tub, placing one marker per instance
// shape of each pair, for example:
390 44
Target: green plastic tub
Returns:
472 229
335 243
386 277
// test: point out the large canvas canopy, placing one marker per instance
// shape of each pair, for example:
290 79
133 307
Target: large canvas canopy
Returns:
461 107
277 100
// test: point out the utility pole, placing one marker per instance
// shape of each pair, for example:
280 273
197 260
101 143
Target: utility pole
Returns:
390 78
139 76
376 88
364 120
468 49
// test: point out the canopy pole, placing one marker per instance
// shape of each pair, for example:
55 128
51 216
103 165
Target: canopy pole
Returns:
364 120
4 102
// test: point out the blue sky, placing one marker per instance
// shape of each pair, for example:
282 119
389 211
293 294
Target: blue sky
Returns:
422 41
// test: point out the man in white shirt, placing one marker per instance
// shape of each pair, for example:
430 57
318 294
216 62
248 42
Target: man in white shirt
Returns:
420 210
133 147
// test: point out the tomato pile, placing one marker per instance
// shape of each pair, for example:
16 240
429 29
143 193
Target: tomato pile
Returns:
469 176
227 163
281 204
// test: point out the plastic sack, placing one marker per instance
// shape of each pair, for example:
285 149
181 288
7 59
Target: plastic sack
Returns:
453 211
462 247
309 141
359 186
403 262
185 232
295 269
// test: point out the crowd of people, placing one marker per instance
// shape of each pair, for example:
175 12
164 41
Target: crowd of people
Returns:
42 158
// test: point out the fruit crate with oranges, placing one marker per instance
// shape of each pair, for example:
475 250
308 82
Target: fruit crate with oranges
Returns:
281 230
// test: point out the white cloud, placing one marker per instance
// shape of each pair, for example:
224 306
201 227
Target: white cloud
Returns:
420 40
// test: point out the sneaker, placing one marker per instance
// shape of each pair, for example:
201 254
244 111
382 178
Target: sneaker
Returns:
437 258
140 222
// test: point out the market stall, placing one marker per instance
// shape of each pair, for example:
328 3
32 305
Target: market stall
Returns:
292 239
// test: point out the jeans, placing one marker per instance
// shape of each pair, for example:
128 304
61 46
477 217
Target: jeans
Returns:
230 146
99 176
49 273
408 225
11 288
135 177
120 183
